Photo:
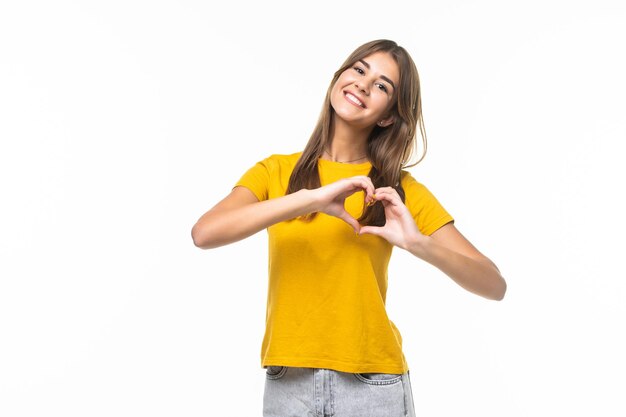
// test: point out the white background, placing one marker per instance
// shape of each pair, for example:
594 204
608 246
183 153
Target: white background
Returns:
122 122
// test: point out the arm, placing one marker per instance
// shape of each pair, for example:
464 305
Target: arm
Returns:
241 214
452 253
446 248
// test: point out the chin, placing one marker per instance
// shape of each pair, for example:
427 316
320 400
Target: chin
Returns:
346 112
346 117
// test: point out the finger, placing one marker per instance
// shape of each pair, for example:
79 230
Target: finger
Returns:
389 196
360 182
371 230
346 217
367 185
375 198
365 178
364 184
386 190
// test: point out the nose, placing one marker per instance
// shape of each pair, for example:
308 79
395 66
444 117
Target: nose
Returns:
361 85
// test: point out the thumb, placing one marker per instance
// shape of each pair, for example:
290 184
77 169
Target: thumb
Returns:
372 230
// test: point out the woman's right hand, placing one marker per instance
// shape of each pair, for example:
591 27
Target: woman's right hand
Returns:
241 214
331 198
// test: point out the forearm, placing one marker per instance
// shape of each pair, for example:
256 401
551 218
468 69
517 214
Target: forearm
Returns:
479 276
223 226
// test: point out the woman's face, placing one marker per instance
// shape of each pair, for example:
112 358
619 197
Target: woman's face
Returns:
365 92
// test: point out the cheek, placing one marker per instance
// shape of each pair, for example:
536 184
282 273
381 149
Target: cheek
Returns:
336 99
345 78
382 102
336 92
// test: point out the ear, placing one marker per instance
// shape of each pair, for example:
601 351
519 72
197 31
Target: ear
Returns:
386 121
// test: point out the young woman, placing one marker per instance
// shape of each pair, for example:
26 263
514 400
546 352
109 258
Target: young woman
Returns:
333 214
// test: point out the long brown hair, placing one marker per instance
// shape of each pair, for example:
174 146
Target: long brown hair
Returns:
389 149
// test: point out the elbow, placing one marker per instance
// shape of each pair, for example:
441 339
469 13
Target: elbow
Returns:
210 232
498 288
195 236
201 237
500 291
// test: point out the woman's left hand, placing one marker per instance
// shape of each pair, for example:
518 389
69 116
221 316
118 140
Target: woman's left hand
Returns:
400 228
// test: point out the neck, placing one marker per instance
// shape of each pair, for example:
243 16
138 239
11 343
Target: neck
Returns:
329 156
347 144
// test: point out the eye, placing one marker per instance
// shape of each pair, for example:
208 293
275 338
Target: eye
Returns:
382 87
359 70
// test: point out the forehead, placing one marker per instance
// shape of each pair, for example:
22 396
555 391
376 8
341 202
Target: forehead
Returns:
382 63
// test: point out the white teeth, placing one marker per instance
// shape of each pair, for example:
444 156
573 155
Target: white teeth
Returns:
354 99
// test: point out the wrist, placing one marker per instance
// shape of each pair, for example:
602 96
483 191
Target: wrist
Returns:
419 245
308 199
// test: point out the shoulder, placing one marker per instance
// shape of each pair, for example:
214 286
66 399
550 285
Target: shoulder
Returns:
414 190
281 160
428 212
409 183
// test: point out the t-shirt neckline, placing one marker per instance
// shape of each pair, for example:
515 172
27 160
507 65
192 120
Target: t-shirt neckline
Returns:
344 165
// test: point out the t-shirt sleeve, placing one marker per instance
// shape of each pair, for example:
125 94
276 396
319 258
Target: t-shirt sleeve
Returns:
427 211
257 179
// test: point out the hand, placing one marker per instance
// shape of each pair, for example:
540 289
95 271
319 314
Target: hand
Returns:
400 228
331 198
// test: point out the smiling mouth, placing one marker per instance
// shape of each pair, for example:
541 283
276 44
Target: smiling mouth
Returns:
353 99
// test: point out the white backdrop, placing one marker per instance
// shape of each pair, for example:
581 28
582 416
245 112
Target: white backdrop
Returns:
122 122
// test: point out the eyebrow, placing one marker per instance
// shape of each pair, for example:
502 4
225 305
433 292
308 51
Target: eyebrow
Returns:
385 78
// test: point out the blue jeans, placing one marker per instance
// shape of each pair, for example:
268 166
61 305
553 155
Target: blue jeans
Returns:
316 392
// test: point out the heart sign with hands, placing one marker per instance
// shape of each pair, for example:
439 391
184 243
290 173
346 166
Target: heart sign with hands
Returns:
400 227
332 197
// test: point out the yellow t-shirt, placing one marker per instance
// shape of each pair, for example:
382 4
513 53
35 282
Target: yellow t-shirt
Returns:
327 285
